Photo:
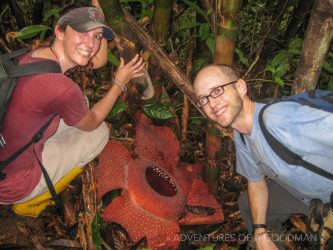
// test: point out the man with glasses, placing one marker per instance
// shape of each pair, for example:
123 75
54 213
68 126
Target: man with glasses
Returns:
266 205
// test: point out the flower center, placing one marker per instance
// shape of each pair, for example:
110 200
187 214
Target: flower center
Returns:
160 181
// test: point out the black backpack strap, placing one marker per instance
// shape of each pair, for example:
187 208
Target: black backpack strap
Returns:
284 153
34 68
59 206
37 136
14 54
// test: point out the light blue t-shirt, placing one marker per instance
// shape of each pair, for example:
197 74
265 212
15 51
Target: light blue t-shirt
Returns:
305 131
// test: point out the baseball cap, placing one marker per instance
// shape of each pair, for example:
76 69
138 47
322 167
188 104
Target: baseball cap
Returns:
85 19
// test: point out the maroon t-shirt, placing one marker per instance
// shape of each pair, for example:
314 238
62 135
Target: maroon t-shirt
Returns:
35 99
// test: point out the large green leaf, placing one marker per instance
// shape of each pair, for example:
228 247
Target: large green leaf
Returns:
157 111
118 108
31 31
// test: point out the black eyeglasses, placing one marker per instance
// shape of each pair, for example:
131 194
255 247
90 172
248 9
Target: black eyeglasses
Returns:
216 92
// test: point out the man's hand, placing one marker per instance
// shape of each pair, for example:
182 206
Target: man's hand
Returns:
262 240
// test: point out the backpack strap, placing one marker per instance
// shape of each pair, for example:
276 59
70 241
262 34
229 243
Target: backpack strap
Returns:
37 136
284 153
13 54
34 68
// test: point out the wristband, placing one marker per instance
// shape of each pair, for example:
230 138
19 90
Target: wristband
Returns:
260 234
256 226
120 84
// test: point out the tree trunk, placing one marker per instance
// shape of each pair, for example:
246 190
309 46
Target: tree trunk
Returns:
226 31
17 12
302 10
127 46
224 54
316 46
161 20
167 66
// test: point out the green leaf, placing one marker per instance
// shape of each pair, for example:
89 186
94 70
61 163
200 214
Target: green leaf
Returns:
186 25
118 108
210 42
281 57
282 69
31 31
242 57
279 81
209 247
96 225
54 12
169 104
204 31
209 11
148 13
295 46
271 69
196 8
157 111
113 60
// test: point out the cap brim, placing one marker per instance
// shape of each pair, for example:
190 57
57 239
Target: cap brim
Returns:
88 26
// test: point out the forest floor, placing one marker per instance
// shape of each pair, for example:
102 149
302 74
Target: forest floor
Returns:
50 231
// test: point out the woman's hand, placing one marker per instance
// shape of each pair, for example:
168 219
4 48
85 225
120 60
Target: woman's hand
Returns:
95 3
132 69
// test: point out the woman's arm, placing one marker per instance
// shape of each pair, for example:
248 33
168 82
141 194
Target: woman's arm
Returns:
102 108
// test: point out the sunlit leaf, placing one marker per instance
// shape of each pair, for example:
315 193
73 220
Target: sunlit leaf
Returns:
31 31
157 111
279 81
271 69
118 108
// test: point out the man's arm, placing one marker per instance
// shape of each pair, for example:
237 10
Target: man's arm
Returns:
258 201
